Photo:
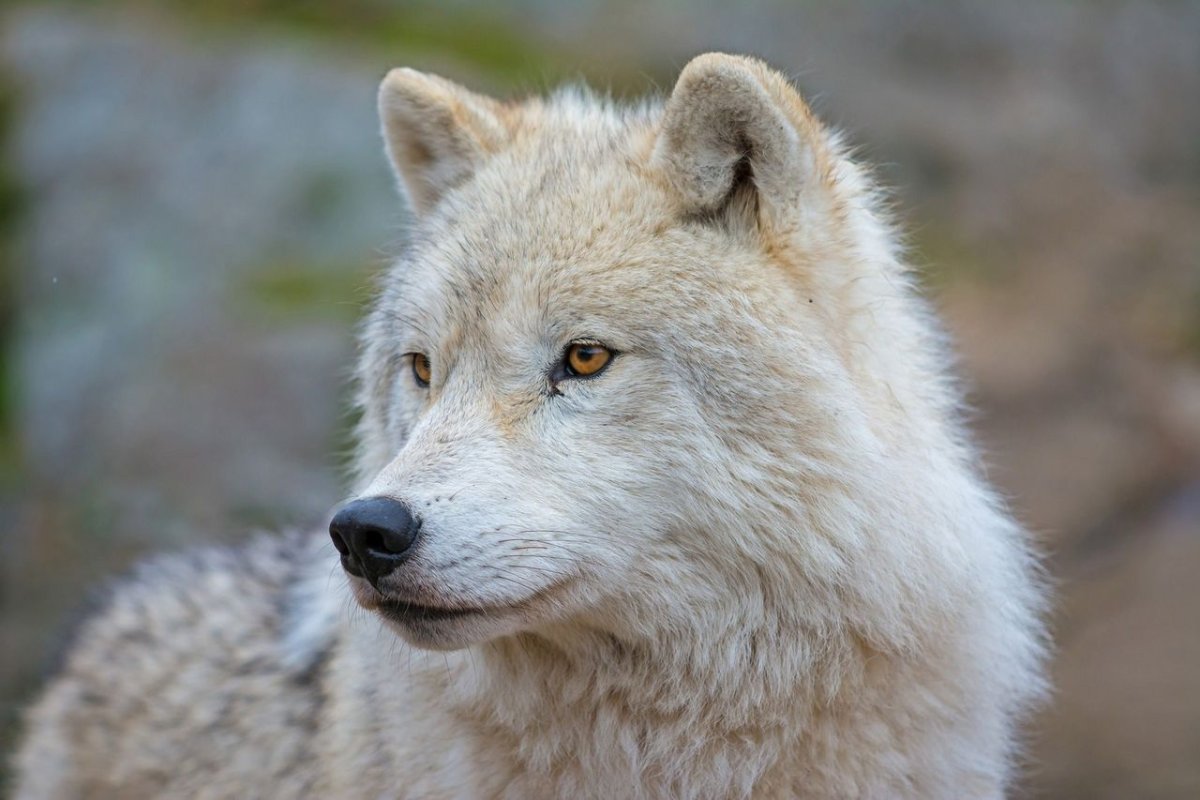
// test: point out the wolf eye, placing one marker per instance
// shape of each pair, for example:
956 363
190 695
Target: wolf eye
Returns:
422 369
585 359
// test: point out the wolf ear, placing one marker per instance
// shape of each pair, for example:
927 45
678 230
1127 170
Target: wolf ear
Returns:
436 133
736 138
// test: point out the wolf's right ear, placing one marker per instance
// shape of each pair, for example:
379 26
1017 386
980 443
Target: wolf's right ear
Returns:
736 137
436 133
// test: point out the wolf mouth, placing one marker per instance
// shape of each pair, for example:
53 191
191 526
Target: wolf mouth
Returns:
403 611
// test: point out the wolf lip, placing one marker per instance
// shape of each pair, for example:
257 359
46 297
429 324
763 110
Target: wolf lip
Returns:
404 611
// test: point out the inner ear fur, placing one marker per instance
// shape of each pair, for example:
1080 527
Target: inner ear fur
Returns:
436 133
735 134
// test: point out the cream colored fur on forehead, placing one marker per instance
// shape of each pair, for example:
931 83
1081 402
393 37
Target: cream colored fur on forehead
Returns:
578 105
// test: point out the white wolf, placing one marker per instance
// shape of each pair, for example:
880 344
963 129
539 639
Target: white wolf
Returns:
663 493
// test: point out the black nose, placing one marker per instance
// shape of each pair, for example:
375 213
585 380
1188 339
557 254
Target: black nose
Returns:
374 535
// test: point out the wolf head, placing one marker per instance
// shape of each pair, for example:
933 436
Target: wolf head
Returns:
637 368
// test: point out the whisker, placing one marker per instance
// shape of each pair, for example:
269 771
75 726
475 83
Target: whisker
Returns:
527 587
557 573
570 559
592 544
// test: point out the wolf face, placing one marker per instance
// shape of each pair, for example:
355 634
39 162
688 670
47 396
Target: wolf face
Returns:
617 374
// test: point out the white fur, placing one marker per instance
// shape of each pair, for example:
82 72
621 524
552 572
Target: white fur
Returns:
765 559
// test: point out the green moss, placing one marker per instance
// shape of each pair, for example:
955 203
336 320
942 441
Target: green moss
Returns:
296 290
12 205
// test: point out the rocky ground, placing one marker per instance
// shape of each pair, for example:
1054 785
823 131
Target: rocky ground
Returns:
191 208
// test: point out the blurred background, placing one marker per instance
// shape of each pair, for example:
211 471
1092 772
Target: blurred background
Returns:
193 200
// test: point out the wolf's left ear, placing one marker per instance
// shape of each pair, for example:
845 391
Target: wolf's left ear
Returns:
734 131
436 133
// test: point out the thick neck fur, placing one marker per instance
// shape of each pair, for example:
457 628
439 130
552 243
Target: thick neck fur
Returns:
692 710
573 712
737 702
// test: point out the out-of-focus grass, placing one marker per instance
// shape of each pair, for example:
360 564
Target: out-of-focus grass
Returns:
297 290
343 442
944 258
1190 333
11 205
485 39
293 291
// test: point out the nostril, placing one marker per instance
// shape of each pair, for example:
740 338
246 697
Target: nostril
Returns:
389 542
373 542
339 543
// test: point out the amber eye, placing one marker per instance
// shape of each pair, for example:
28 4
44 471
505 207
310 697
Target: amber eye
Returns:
584 359
422 369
